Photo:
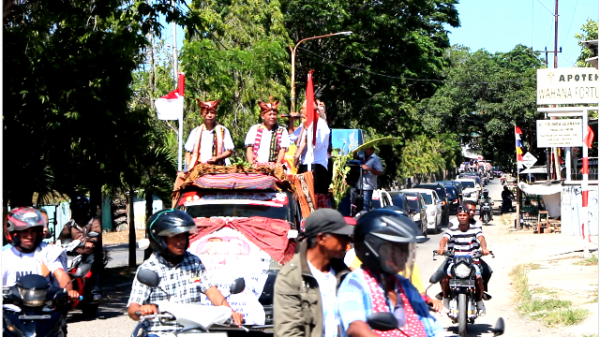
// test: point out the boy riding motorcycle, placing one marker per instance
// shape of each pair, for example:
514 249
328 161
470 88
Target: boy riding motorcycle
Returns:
181 273
464 240
385 243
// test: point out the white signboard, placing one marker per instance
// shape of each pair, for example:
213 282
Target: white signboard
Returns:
559 133
529 160
567 86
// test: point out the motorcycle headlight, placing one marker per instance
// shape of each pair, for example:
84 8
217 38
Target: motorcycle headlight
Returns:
33 297
462 270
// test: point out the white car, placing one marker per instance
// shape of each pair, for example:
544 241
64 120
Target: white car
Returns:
433 204
471 189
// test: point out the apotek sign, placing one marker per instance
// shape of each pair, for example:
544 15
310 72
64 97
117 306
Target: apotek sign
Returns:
567 86
559 133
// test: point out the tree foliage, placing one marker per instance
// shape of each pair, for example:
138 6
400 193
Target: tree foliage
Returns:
589 32
486 95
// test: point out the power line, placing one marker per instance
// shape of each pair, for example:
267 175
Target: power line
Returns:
572 18
404 78
549 10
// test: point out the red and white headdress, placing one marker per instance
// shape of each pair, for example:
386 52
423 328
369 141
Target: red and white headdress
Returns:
210 105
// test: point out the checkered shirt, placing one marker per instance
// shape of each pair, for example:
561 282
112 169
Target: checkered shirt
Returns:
183 282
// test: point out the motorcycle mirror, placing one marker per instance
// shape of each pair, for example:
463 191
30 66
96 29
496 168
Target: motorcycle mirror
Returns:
82 270
437 276
143 244
93 234
237 286
382 321
148 277
499 328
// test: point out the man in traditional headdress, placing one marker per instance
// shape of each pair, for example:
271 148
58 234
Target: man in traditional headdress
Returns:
210 142
266 143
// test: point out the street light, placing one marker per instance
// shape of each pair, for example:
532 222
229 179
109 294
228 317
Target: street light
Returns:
293 91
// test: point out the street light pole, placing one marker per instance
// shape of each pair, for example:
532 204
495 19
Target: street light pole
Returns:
293 90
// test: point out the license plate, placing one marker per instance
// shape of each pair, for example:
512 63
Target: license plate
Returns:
462 283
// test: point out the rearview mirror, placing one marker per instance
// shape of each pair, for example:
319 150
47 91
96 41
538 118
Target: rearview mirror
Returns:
93 234
148 277
499 328
237 286
382 321
437 276
82 269
143 244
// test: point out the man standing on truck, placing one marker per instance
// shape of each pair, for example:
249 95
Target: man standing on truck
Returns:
210 142
266 143
305 302
371 169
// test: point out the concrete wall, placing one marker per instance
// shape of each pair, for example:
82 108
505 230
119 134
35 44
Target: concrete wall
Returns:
571 208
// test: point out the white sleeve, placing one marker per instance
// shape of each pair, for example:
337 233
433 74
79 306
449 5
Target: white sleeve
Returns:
227 141
189 145
323 132
285 139
251 136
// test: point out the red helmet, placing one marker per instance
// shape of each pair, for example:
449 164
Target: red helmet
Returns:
22 218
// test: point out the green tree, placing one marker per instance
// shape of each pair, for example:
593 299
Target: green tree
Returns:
486 94
589 32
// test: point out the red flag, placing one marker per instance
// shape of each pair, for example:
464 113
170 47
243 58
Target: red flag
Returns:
518 130
170 106
589 137
311 113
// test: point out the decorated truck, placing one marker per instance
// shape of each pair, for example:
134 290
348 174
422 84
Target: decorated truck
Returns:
248 221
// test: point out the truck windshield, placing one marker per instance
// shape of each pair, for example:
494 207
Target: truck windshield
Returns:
237 210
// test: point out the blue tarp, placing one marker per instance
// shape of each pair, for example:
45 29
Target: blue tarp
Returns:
346 140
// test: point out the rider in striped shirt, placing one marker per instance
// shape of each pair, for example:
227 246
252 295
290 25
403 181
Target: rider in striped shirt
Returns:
465 240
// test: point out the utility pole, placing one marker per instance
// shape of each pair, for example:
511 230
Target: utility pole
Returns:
555 150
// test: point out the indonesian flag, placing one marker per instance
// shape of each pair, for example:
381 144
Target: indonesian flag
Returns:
170 106
589 137
312 117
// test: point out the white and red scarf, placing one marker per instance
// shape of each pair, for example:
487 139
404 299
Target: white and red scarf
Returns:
217 148
413 327
273 147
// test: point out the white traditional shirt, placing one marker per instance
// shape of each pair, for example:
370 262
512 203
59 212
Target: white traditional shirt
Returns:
265 142
207 143
322 143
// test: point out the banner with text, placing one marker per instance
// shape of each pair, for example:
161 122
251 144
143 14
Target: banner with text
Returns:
559 133
567 86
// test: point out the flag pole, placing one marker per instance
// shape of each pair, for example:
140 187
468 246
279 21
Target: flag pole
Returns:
518 220
176 79
181 88
585 190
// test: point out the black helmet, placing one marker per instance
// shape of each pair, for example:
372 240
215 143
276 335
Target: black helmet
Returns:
380 238
167 223
23 218
485 192
80 206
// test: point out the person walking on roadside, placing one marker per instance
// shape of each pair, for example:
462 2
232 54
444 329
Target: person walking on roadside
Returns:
267 143
385 243
305 302
371 169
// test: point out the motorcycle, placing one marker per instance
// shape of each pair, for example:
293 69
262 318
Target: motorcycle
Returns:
80 272
188 319
486 211
463 291
33 308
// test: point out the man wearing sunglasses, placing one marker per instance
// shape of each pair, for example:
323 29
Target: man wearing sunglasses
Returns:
305 302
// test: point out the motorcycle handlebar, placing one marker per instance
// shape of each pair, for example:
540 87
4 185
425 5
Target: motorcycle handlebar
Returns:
450 253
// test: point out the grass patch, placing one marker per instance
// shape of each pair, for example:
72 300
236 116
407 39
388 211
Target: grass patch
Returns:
563 316
591 261
544 291
551 311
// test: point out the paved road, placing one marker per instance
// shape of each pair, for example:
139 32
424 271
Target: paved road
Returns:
427 266
119 255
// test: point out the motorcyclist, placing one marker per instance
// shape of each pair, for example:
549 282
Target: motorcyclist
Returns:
181 273
78 228
485 198
464 240
385 243
507 198
29 255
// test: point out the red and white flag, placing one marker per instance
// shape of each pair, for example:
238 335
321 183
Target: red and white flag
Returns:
170 106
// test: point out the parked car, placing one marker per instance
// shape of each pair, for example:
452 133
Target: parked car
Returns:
453 199
417 209
383 198
458 187
441 191
470 190
433 204
472 176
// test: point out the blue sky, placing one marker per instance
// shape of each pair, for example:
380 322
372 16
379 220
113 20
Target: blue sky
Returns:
499 25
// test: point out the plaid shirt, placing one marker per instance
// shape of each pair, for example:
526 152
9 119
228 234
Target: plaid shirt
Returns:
183 282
